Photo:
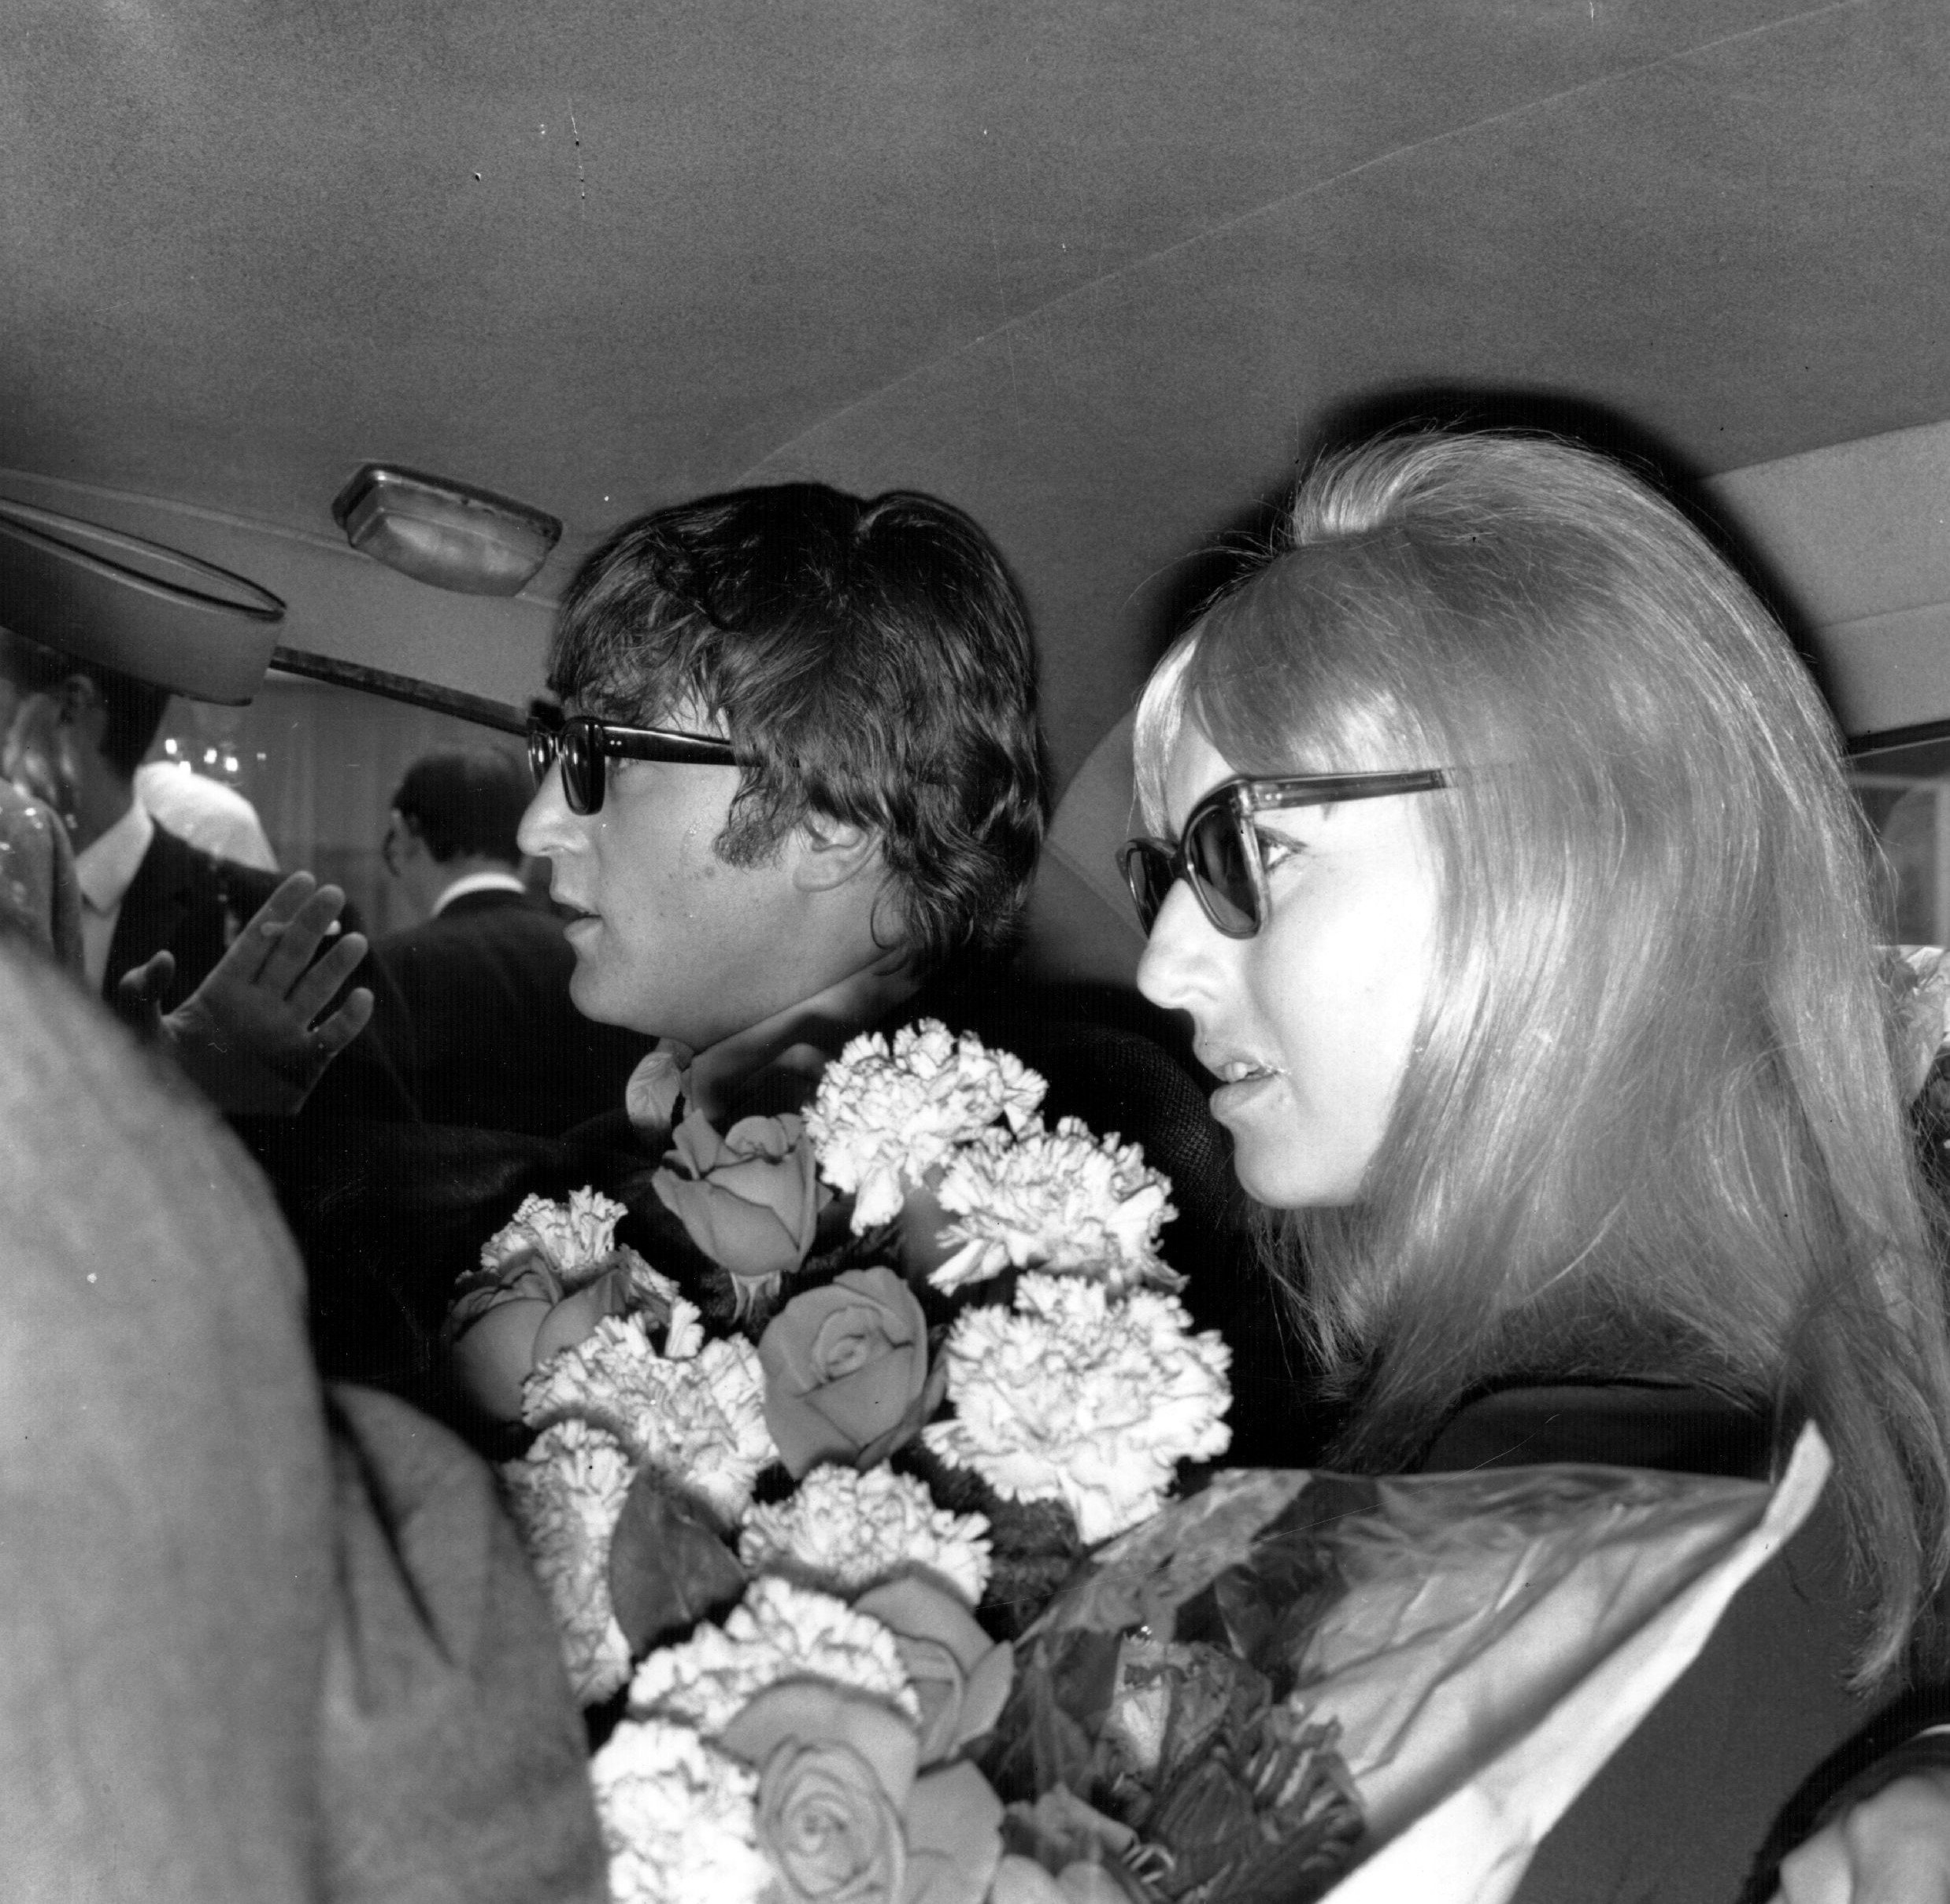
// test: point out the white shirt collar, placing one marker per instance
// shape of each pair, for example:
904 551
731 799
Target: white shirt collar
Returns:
476 882
107 867
801 1038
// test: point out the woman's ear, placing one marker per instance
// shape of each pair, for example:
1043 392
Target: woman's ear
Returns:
830 853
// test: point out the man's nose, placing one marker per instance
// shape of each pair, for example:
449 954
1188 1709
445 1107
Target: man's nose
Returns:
548 826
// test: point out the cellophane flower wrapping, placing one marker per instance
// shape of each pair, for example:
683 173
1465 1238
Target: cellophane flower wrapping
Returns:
900 1575
1468 1649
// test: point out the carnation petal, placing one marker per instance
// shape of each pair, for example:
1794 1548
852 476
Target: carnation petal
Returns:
1076 1396
845 1531
679 1818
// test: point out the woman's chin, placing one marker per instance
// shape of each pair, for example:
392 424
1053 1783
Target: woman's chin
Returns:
1284 1172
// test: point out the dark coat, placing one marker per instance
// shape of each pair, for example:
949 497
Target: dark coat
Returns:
474 1012
184 901
1726 1771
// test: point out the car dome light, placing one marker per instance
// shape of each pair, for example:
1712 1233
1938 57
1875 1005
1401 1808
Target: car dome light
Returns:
447 533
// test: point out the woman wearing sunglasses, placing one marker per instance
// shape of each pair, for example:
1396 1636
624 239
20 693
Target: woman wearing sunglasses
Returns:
1503 860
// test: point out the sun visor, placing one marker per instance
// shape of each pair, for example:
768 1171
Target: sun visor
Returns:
135 606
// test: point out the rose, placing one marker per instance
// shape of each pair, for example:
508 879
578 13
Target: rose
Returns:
1067 1852
1022 1881
511 1316
960 1675
954 1837
842 1815
750 1199
846 1371
836 1768
573 1318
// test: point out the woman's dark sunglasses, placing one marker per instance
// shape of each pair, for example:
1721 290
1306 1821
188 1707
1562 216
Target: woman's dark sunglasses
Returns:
584 746
1219 854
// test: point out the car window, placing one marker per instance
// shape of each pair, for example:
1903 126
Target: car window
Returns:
1905 793
320 764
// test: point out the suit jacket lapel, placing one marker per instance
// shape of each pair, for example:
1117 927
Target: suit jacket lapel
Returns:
153 907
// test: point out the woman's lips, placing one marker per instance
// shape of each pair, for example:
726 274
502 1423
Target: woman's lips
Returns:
1240 1094
1240 1081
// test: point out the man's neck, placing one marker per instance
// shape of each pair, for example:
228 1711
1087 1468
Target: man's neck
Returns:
97 802
800 1041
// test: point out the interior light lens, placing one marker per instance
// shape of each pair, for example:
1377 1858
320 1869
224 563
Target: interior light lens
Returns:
447 533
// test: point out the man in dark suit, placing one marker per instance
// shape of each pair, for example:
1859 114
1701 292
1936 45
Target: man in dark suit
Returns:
484 1032
158 915
77 732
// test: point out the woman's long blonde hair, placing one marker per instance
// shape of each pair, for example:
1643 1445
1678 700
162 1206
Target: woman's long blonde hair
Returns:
1653 1125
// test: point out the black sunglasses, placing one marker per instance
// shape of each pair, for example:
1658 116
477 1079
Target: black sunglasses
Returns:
1219 854
584 746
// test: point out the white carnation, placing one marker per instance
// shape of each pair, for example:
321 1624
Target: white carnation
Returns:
1074 1396
577 1240
778 1631
699 1419
885 1116
565 1497
1060 1200
679 1820
573 1236
845 1532
685 1336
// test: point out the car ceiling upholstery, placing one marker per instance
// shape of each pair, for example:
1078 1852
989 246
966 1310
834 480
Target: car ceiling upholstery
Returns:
1098 272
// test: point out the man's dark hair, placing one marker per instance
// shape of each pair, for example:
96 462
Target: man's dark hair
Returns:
871 661
134 708
466 803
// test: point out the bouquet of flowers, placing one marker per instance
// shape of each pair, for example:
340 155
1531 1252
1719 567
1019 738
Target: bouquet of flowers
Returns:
869 1562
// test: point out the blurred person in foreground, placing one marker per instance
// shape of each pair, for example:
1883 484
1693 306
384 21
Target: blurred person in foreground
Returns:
265 1642
1502 857
476 1018
40 900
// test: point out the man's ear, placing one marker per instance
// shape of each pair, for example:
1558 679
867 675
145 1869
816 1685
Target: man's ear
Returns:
80 705
829 852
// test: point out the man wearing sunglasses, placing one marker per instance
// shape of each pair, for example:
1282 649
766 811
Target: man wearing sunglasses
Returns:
794 771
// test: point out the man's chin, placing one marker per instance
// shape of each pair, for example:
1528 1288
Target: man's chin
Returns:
598 1003
586 994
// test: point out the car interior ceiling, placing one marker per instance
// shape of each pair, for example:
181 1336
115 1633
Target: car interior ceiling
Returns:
1103 276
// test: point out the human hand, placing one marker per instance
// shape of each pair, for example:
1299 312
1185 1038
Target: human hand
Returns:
246 1035
138 995
1892 1848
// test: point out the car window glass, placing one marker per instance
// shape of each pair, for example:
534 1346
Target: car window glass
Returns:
320 764
1905 793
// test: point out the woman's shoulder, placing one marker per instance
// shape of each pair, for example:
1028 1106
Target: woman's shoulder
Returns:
1669 1426
1721 1776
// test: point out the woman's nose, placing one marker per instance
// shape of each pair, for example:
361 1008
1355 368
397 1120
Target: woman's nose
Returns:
1166 973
